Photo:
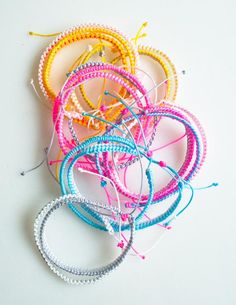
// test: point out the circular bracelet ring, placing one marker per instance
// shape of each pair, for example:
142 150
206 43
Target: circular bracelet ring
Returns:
83 74
102 147
77 33
61 269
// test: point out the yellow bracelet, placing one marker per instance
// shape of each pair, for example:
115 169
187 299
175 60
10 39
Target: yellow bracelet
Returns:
126 49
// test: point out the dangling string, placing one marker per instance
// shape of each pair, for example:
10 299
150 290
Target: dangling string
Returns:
47 150
23 173
43 35
139 35
158 85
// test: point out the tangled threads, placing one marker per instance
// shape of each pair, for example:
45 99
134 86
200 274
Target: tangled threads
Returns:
106 122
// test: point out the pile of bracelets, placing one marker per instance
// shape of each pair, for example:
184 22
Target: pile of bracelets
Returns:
106 121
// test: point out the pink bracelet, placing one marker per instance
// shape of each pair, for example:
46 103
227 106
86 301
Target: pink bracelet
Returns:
86 73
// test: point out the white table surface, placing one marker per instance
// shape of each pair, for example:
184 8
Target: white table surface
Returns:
196 263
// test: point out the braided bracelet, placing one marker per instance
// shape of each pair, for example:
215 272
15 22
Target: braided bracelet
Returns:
103 147
87 72
125 48
118 72
61 269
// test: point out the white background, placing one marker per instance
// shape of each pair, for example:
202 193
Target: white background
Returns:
195 263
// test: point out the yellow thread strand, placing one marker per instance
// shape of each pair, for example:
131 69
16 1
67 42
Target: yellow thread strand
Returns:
139 35
143 35
43 35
